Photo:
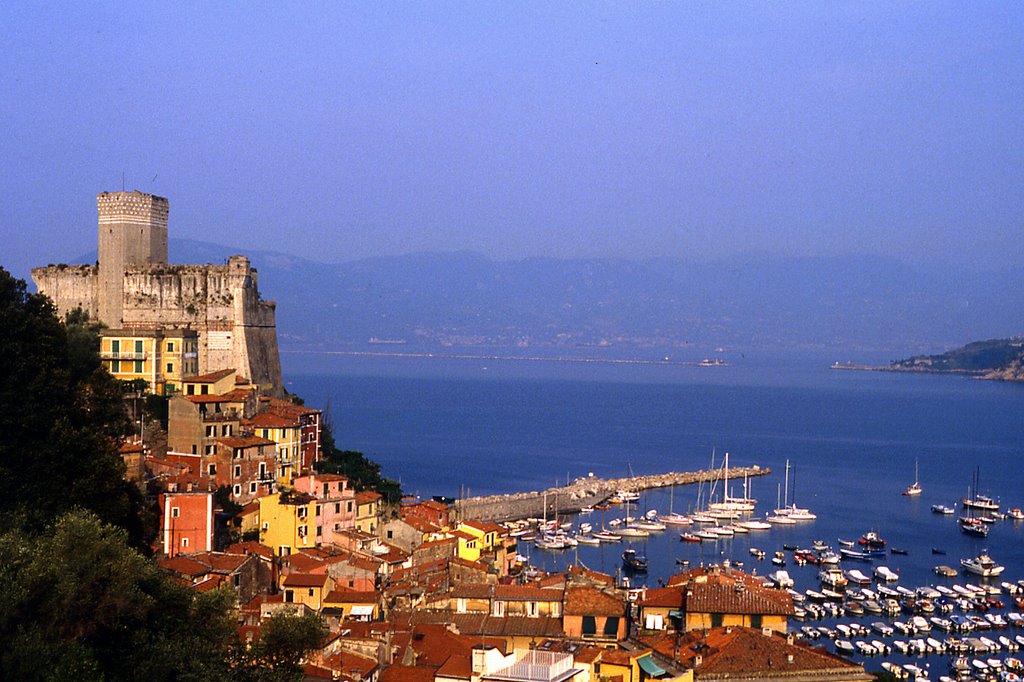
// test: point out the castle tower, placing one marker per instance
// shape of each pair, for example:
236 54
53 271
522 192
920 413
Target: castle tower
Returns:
132 231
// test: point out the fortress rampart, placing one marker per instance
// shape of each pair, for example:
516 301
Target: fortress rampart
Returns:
222 303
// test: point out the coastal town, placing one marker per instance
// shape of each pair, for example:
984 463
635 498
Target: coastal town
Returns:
408 589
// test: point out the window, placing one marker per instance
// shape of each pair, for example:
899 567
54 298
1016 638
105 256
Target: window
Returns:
184 542
170 346
755 620
191 390
460 605
589 625
115 346
138 366
266 433
211 431
236 579
252 487
138 346
531 608
194 448
236 490
318 510
351 583
175 512
302 512
225 430
716 620
238 471
212 469
391 534
498 609
211 449
115 366
289 596
337 507
205 389
327 488
319 531
170 367
263 469
349 506
611 626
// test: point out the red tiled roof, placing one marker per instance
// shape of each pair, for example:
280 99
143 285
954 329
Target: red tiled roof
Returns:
305 580
665 597
739 650
367 496
407 673
590 601
185 566
270 420
525 593
718 598
210 377
344 595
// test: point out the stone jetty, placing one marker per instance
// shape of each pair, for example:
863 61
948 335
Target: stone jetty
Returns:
583 492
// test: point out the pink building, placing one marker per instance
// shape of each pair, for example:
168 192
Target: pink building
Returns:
335 504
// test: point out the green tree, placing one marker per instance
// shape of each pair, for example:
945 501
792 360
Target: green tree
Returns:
284 641
78 603
60 415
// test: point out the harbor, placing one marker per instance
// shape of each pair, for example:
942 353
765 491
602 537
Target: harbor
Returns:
586 492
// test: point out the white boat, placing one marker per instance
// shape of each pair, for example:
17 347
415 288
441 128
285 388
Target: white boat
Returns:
754 525
982 565
631 532
781 520
673 519
729 503
605 536
781 579
943 509
856 576
832 577
588 540
885 573
650 525
627 496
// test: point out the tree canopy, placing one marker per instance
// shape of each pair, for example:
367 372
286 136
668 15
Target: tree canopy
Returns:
362 472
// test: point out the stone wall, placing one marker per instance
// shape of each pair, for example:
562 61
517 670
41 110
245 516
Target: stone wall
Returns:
69 287
584 492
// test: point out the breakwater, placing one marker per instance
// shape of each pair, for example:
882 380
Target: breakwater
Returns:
583 492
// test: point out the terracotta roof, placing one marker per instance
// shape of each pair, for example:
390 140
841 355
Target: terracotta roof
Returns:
303 563
349 663
305 580
185 565
486 527
210 377
270 420
420 524
525 593
472 591
222 562
344 595
493 626
251 547
367 496
407 673
749 652
590 601
670 597
719 598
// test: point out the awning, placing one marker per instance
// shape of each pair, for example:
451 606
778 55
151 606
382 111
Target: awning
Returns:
361 610
648 665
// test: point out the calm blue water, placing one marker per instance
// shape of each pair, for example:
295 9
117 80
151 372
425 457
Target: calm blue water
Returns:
497 426
852 437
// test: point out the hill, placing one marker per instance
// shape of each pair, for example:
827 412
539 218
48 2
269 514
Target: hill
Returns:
626 307
992 359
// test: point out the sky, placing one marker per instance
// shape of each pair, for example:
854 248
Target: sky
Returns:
699 130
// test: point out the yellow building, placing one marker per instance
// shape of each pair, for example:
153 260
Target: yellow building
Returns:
220 382
355 604
368 511
163 358
287 522
469 546
306 588
286 432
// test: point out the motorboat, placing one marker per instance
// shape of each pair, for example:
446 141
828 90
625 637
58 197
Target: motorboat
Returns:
943 509
982 565
886 574
973 527
871 540
632 561
689 537
856 576
587 539
781 579
832 577
754 525
605 536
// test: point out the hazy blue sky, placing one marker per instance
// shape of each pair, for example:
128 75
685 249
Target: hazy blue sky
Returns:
686 129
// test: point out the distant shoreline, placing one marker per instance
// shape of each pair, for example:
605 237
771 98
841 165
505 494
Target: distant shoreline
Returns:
977 374
513 358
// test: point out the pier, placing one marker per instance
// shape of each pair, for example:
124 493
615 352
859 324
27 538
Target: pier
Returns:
583 492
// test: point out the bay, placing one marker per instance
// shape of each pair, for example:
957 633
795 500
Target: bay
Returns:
483 426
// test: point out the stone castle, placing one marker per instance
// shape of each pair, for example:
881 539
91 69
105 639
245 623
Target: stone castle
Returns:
132 287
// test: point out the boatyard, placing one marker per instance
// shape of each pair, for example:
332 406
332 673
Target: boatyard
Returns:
585 493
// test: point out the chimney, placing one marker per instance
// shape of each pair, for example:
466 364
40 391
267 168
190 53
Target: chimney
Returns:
766 631
697 660
789 658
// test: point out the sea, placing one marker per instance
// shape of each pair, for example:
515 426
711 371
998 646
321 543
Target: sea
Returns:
477 424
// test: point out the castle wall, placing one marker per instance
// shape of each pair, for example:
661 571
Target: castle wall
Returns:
69 287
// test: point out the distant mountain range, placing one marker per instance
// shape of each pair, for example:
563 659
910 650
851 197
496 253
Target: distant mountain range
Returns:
627 307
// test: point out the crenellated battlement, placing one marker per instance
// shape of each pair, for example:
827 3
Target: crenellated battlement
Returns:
134 286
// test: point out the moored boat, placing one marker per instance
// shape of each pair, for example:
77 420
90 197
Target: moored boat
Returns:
982 565
632 561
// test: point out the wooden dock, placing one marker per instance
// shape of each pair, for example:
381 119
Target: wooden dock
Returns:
583 492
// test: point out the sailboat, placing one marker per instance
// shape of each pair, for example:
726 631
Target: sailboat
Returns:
789 508
673 518
975 500
731 506
915 487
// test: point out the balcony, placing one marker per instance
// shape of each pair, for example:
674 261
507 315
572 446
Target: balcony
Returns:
123 355
191 355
